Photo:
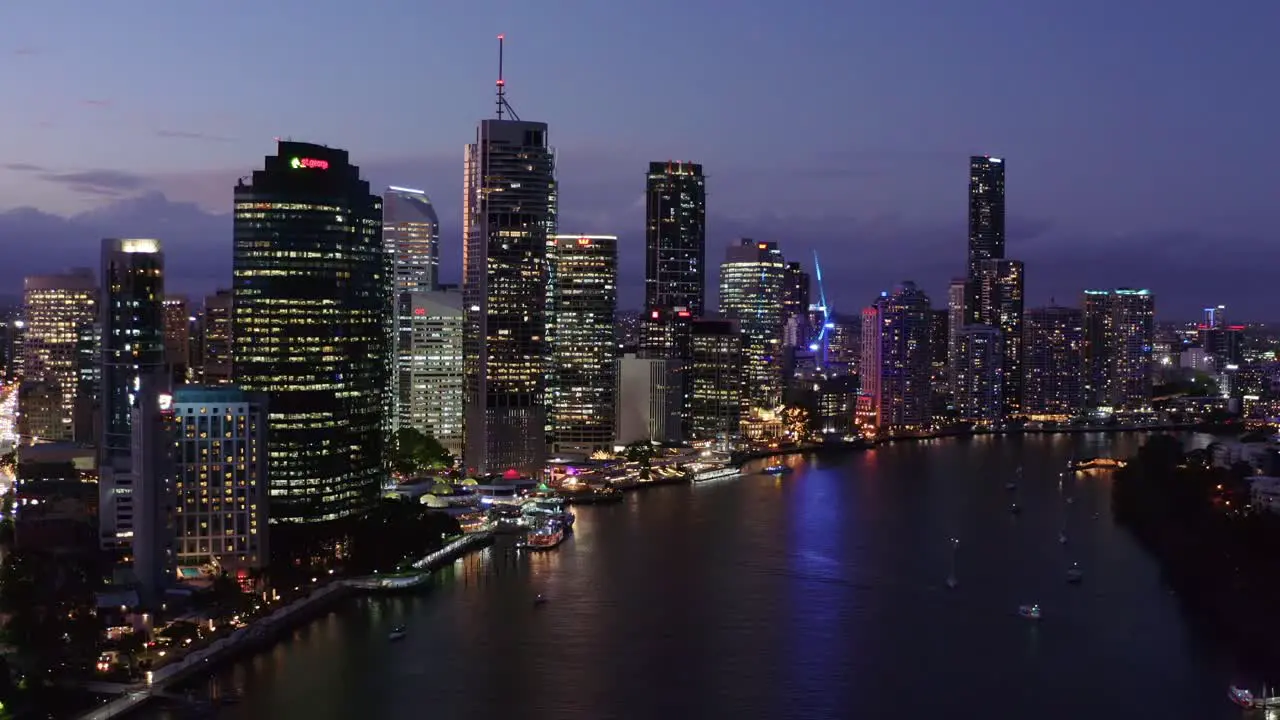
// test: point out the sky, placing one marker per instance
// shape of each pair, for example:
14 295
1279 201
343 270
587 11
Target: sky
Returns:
1140 136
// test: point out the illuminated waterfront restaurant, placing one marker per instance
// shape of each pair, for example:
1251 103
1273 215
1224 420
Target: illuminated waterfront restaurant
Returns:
310 328
583 348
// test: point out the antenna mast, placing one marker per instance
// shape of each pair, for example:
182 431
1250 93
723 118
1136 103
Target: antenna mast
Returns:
503 105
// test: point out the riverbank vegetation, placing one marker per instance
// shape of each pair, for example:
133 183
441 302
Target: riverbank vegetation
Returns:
1215 550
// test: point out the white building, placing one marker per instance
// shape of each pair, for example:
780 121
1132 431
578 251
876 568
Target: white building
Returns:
429 377
648 400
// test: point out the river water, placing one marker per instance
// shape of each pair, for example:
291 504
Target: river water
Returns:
820 594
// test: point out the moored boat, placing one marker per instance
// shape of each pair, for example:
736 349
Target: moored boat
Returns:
398 633
715 473
1074 573
777 470
1030 612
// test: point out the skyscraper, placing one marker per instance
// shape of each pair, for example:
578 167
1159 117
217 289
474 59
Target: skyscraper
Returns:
1000 305
796 295
1053 362
986 222
509 216
675 256
752 280
429 365
896 365
411 234
1119 332
177 337
957 296
979 383
584 352
59 309
216 341
132 320
715 381
309 328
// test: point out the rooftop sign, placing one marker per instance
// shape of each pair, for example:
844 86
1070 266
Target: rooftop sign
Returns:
308 164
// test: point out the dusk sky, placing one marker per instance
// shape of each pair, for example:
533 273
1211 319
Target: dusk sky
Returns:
1140 135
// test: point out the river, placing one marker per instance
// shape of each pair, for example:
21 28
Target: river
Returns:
820 594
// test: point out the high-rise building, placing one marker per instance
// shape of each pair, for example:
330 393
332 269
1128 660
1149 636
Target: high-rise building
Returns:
896 360
939 343
1054 364
429 365
752 281
1223 343
310 329
957 296
1000 305
1119 334
177 337
216 342
986 223
411 234
675 253
796 295
715 370
584 354
132 320
145 518
649 400
220 487
509 217
979 382
59 311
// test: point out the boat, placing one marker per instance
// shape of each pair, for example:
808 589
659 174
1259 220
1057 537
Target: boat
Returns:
715 473
1074 573
777 470
397 633
544 538
1240 696
952 580
539 600
1030 612
1062 537
1013 508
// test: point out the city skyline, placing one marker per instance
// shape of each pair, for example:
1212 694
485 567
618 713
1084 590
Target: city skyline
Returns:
806 186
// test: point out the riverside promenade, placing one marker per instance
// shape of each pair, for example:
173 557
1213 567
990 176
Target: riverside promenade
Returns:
265 630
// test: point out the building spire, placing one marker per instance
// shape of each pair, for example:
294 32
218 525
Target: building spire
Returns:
503 105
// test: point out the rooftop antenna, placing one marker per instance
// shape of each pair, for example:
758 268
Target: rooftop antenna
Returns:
503 105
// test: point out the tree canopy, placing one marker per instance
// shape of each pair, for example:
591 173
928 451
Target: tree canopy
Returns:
413 452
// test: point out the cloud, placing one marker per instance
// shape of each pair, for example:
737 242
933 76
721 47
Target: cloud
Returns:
26 51
190 135
96 103
110 183
23 167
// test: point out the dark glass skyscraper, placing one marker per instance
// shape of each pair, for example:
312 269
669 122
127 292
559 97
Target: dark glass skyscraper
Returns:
509 218
675 256
1000 305
310 328
986 221
132 319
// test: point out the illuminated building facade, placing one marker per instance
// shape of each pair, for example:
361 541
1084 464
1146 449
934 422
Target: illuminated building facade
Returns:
1000 305
796 298
649 400
675 255
896 360
957 296
979 384
411 234
216 338
1119 335
583 350
177 337
429 365
1053 370
132 320
219 438
509 218
986 224
715 381
1222 342
310 328
752 280
939 342
60 310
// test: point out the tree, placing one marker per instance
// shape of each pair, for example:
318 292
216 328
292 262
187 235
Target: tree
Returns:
413 452
640 451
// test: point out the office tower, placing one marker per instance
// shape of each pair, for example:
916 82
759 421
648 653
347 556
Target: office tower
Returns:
1215 317
219 487
216 340
310 329
957 296
149 519
751 294
714 403
583 351
1000 304
411 234
986 223
1053 365
429 379
1119 332
649 399
59 310
979 382
836 403
177 338
1222 342
675 255
796 297
896 359
132 320
509 217
939 342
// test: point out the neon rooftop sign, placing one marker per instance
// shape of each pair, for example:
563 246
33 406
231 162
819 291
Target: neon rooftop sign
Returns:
309 164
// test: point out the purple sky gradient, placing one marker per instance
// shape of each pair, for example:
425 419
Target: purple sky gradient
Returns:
1139 134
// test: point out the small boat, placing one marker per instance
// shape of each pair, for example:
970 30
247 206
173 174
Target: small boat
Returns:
777 470
1074 573
1011 486
1062 538
1071 501
952 582
539 600
1241 696
398 633
1030 612
1013 508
